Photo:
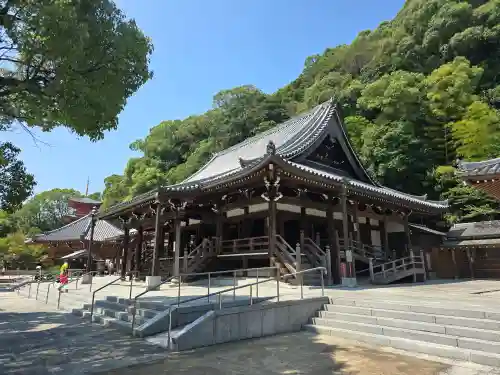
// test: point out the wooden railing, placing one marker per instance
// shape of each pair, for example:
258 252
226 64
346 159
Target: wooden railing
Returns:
314 253
286 254
192 261
363 250
414 263
245 245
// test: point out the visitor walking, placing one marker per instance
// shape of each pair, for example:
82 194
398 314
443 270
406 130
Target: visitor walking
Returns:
63 277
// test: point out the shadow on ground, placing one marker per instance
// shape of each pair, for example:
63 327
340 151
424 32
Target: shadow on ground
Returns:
46 342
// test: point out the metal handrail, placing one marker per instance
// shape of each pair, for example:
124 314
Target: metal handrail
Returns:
197 274
81 276
104 286
219 293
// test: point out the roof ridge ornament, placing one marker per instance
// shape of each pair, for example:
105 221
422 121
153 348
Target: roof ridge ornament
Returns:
271 148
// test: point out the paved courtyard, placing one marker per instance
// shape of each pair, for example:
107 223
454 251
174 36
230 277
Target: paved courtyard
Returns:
36 338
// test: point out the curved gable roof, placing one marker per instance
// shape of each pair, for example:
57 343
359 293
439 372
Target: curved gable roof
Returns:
291 138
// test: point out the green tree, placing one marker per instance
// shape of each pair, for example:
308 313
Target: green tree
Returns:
16 184
45 210
15 252
63 57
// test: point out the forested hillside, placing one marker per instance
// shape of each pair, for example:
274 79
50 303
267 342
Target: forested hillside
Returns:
417 93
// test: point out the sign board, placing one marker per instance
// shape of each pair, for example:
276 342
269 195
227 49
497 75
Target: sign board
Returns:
348 256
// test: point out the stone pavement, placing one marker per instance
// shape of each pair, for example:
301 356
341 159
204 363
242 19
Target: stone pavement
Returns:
35 339
300 353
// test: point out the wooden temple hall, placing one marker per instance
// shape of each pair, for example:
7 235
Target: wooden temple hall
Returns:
294 197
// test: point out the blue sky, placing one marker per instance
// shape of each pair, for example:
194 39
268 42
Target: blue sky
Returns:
201 47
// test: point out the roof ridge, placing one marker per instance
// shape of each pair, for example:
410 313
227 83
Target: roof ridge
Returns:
273 130
476 164
64 226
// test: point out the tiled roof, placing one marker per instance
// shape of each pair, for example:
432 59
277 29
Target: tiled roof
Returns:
77 229
85 200
290 139
483 168
382 191
475 230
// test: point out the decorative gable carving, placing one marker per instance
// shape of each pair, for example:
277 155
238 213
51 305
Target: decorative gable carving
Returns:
330 154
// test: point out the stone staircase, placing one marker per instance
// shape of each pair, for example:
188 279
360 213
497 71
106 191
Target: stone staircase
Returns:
466 333
117 312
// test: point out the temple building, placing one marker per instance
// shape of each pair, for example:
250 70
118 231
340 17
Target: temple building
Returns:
294 197
473 249
484 175
72 241
80 207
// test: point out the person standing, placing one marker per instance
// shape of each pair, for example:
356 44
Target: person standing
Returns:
63 277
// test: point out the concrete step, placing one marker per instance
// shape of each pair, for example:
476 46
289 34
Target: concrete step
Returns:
359 312
466 338
445 351
421 307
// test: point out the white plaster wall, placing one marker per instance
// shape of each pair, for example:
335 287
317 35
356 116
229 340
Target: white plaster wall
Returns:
258 207
375 236
393 227
288 207
235 212
315 212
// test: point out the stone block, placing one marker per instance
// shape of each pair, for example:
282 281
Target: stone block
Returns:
268 322
199 335
488 359
404 315
86 279
448 311
474 344
408 324
252 320
224 326
473 333
434 338
468 322
281 315
152 282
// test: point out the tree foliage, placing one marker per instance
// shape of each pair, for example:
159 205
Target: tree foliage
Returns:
16 185
417 92
45 211
69 63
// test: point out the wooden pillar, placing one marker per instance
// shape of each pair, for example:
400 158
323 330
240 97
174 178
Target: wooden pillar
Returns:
219 235
91 240
126 241
159 241
272 230
345 217
407 232
470 258
454 259
356 223
138 248
177 246
386 237
334 270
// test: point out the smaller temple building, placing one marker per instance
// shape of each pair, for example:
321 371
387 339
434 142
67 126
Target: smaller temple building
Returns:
80 207
72 241
484 175
474 250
